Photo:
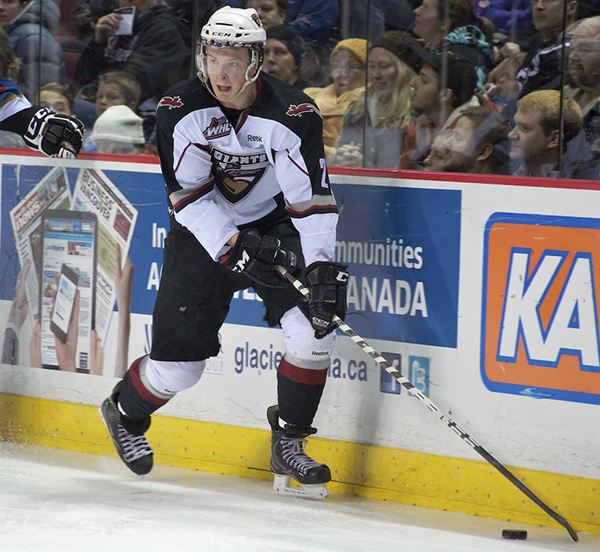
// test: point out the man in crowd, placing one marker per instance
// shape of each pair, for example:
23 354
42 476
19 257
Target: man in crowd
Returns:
536 142
155 49
584 73
541 67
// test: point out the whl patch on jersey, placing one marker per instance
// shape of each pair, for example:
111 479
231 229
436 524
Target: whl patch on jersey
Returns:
172 102
217 128
236 175
301 109
540 333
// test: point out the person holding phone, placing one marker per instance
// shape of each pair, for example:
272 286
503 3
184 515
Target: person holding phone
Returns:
155 49
248 190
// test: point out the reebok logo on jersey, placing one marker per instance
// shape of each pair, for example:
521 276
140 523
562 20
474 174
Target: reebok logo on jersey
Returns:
217 128
299 110
171 102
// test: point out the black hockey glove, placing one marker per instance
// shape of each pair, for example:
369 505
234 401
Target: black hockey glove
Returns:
256 257
326 284
53 134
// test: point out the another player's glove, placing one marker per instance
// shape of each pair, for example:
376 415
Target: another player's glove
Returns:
53 134
327 283
256 256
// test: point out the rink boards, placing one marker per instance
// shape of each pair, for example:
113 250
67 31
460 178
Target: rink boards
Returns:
481 291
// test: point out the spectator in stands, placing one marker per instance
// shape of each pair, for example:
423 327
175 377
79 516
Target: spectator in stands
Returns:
271 12
372 134
535 139
438 157
157 52
114 88
584 73
117 88
509 17
437 105
119 130
541 67
467 35
57 97
477 143
29 26
347 69
285 55
85 16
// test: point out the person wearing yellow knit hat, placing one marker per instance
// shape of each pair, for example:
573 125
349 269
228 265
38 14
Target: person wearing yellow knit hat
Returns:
347 70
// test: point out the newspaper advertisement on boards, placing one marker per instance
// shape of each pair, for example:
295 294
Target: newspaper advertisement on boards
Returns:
95 193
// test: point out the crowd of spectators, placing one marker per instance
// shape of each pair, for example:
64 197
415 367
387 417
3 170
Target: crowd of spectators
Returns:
476 86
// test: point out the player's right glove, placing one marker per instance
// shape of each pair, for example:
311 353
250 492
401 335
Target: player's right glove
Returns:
53 134
327 283
256 256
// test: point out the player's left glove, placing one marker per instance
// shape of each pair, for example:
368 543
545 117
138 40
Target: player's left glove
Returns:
53 134
256 256
327 283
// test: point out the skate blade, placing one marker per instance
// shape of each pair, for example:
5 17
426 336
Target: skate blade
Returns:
282 486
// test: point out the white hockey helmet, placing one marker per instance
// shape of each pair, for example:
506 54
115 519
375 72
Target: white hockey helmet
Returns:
232 28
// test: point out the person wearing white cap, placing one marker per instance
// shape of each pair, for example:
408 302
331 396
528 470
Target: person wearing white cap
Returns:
118 130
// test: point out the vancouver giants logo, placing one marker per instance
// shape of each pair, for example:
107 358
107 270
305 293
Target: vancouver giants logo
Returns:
540 328
299 110
217 128
236 175
171 102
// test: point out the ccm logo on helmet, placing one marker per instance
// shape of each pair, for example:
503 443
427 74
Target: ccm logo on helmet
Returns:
170 102
299 110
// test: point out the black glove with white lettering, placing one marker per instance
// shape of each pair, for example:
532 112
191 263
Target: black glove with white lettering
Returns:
256 256
327 283
53 134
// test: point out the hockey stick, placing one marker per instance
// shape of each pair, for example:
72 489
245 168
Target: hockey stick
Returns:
445 419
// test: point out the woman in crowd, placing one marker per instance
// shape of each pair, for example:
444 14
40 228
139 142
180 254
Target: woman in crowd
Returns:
347 69
392 65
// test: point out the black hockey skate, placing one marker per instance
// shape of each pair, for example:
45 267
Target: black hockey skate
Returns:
289 461
130 442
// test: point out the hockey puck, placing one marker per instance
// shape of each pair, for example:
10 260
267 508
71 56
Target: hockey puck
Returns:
513 534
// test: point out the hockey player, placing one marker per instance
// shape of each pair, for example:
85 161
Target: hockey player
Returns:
243 160
42 129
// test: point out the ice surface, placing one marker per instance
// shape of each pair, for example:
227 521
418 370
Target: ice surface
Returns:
63 501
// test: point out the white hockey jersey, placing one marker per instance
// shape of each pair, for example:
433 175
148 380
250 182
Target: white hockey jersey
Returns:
219 178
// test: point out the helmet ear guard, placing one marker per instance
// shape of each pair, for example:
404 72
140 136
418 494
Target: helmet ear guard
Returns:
232 28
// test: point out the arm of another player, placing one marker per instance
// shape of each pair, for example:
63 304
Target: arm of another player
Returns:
43 130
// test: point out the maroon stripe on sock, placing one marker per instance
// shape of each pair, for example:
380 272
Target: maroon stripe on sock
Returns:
302 375
134 372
